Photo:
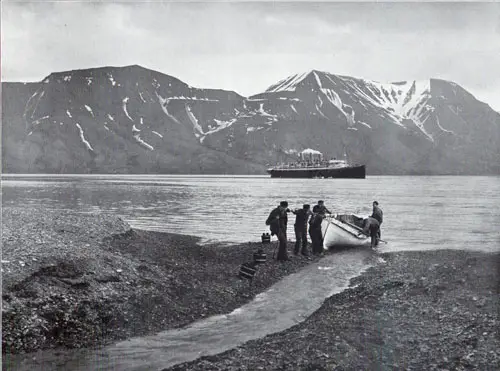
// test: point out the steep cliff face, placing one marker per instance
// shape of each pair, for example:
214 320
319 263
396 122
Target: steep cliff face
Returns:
132 119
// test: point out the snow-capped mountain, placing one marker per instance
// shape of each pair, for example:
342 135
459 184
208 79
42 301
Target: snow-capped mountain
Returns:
132 119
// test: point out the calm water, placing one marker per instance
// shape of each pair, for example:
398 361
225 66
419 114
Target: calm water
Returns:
420 213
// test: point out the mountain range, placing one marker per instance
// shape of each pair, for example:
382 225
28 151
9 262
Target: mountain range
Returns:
136 120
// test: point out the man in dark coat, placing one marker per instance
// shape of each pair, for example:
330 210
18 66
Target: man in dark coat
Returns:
282 218
321 208
277 222
371 228
316 233
379 215
300 226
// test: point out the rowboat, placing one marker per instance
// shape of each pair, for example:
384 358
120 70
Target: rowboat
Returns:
343 230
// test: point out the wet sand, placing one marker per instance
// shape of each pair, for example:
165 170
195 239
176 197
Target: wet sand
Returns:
436 310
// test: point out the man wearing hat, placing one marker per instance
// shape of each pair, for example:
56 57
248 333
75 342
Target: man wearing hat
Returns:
321 208
300 226
282 218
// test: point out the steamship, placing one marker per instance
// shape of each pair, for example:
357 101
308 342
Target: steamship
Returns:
313 165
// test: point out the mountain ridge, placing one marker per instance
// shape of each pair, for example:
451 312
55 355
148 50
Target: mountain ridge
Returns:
158 123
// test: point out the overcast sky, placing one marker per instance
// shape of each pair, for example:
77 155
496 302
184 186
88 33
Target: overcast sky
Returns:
247 47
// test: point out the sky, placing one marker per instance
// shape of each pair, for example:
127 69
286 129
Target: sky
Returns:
248 46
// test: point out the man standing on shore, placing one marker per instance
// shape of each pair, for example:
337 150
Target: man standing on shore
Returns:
379 215
315 231
301 218
277 221
321 208
282 219
371 228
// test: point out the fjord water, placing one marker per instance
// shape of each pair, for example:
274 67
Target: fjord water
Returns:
420 213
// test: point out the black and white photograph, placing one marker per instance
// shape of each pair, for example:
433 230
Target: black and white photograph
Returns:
250 185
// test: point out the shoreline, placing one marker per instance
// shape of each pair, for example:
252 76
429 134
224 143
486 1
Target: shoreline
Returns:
83 286
435 310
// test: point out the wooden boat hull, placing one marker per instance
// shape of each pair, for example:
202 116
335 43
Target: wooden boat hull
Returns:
340 234
358 172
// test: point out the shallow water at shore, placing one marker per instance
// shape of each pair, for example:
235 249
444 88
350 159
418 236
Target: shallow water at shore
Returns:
420 212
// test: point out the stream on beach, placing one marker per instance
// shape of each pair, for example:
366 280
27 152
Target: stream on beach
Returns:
420 213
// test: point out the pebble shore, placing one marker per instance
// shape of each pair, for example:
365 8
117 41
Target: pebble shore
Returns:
73 281
436 310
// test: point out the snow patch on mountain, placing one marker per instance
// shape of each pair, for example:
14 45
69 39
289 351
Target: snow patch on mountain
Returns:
264 113
251 128
142 98
29 103
111 79
192 98
443 129
163 105
69 114
89 80
293 108
156 133
111 117
421 126
399 101
37 121
89 110
365 124
134 129
141 120
221 125
287 84
125 100
193 119
67 78
82 137
321 113
138 138
334 98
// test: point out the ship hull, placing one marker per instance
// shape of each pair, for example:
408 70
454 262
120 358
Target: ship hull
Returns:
358 172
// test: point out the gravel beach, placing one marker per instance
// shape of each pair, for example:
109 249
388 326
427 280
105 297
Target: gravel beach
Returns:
436 310
86 280
72 281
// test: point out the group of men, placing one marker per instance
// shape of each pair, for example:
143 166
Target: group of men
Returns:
278 221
